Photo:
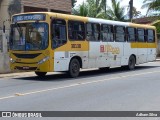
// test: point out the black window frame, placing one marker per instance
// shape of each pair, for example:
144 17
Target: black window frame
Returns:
110 32
149 35
52 33
135 36
74 32
124 33
93 32
144 35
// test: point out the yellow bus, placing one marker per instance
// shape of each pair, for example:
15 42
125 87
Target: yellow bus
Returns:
45 42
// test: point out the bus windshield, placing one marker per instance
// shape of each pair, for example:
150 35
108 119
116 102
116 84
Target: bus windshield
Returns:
29 36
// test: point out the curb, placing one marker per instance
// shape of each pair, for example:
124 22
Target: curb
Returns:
16 74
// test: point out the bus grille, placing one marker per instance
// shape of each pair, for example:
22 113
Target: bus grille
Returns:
29 56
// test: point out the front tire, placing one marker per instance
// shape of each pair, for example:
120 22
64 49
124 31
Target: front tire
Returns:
74 68
40 74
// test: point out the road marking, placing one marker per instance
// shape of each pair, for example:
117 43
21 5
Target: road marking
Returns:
76 84
7 97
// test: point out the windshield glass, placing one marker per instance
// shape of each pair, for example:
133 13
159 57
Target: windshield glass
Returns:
29 36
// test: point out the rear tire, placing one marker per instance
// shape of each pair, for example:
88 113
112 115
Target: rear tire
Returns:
40 74
74 68
131 63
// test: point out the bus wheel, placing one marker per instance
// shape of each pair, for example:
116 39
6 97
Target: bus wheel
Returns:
40 74
74 68
131 63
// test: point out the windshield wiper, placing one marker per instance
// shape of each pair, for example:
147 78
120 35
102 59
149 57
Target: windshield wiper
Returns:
19 29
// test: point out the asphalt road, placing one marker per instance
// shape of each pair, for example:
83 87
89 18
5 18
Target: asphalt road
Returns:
115 90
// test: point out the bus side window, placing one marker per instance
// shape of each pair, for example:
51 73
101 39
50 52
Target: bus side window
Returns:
151 36
107 33
76 30
93 31
59 37
141 35
119 33
131 34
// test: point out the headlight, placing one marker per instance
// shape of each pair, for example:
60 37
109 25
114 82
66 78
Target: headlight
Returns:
11 60
43 60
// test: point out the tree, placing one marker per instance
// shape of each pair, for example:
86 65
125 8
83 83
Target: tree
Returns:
151 5
96 8
73 2
91 8
116 12
14 7
82 10
136 13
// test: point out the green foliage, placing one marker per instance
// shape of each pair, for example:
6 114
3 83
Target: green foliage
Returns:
82 10
91 8
14 7
157 25
116 12
73 2
136 13
98 9
151 5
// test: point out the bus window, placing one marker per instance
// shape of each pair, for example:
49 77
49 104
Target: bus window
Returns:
131 34
141 35
76 30
107 33
93 31
151 36
119 34
58 33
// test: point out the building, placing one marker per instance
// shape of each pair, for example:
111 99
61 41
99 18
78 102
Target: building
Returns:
61 6
146 20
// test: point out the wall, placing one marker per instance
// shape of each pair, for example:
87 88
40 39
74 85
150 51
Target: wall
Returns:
4 56
4 16
62 5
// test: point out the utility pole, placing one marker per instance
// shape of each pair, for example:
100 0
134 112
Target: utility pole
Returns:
131 10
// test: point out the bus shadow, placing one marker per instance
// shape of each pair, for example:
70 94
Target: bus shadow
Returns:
83 74
113 71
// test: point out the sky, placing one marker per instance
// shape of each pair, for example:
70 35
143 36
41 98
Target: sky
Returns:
136 3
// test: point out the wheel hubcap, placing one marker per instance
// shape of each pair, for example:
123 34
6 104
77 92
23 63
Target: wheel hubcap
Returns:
75 67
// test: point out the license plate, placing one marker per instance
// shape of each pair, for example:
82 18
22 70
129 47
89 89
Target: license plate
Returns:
25 67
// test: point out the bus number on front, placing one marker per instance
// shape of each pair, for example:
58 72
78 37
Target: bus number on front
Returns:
76 45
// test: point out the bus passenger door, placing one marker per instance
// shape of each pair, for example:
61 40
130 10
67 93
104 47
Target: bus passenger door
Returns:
115 45
115 53
151 53
93 36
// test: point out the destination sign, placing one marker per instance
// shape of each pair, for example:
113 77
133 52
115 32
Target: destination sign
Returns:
28 17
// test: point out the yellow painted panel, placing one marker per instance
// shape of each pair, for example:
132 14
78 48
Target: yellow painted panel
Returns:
74 46
143 45
142 26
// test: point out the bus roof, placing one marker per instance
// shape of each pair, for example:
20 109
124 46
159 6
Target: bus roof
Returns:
89 19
